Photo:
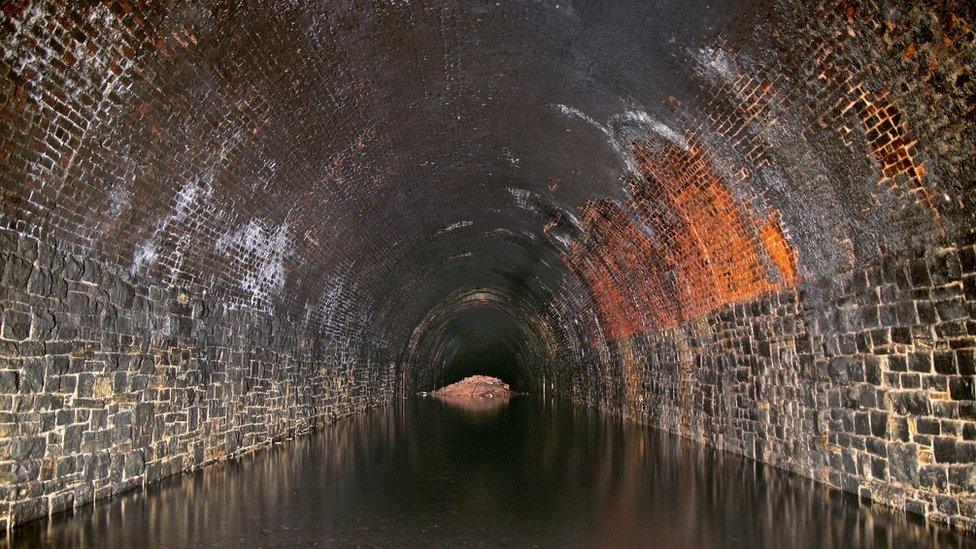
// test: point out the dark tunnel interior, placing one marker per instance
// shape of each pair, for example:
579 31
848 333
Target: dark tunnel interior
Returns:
484 341
748 223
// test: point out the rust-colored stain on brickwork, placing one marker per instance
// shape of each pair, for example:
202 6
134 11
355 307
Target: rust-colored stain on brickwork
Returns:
699 248
887 135
623 268
779 249
619 317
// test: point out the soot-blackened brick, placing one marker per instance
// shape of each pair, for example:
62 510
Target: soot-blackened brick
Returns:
914 403
966 361
920 361
944 362
962 388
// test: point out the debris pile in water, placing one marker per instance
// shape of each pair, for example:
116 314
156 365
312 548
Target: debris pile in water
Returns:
476 387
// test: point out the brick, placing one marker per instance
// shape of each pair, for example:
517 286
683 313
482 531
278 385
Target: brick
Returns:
962 388
920 362
178 276
914 403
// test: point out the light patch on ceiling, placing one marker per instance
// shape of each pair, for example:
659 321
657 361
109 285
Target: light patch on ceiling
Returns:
191 196
454 226
622 129
715 62
523 197
261 249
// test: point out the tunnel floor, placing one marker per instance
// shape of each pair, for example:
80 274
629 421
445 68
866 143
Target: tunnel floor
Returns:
532 473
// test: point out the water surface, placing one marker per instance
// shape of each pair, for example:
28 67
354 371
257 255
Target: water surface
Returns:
531 473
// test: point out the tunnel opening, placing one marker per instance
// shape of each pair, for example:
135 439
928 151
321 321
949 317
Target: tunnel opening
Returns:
480 333
485 341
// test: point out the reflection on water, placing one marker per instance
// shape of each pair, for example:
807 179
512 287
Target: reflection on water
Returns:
477 405
531 473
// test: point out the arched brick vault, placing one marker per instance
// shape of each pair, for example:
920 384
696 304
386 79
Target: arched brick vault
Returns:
749 223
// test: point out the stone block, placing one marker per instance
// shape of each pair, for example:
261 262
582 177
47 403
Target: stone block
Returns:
945 449
933 477
9 381
966 362
903 462
962 478
915 403
945 362
16 272
962 388
27 447
920 361
16 325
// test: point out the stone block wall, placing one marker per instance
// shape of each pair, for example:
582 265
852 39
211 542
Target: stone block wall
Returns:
107 383
662 194
864 381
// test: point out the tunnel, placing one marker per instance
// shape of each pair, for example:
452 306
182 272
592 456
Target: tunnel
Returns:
748 225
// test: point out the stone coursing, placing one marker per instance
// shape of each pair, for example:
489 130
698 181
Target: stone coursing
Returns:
107 383
864 381
364 168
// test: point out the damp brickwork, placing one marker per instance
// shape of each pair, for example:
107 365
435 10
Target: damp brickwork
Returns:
865 381
108 383
749 223
790 273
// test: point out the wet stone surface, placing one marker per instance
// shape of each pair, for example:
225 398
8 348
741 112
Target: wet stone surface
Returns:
533 473
747 222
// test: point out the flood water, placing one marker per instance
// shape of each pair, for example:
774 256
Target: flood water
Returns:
531 473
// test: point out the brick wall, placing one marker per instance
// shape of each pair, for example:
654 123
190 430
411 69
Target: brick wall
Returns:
750 223
107 383
789 274
864 381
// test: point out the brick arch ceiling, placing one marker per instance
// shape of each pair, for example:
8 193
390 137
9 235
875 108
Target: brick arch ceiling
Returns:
613 167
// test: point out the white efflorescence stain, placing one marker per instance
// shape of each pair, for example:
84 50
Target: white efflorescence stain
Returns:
261 249
145 254
32 47
716 62
192 196
523 198
626 127
93 82
656 126
510 157
564 240
455 226
344 313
